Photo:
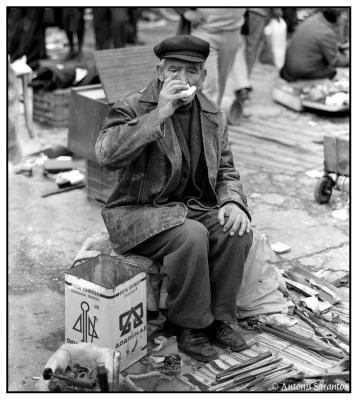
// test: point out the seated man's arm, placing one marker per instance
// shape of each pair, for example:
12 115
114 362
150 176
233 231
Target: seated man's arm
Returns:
125 135
331 53
233 213
228 186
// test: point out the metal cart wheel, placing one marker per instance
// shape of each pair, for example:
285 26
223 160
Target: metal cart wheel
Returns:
323 189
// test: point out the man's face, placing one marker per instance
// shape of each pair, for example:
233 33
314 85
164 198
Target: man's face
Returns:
188 72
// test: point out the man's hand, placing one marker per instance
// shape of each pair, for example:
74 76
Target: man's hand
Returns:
171 98
235 218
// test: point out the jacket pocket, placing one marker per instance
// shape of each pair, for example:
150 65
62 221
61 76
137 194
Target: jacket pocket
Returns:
135 188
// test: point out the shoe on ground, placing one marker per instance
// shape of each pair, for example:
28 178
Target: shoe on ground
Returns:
235 112
194 343
226 335
242 94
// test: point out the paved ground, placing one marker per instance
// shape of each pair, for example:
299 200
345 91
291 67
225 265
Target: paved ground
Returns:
46 233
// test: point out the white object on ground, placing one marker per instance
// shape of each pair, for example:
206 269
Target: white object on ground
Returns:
278 319
315 305
337 99
314 173
73 177
255 195
341 214
301 287
280 248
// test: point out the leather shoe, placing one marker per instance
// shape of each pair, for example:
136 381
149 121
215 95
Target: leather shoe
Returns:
195 344
226 335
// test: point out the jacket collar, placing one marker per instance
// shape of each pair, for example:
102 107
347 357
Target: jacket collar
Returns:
150 94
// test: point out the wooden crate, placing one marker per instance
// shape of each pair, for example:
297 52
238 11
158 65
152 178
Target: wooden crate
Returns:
336 155
51 108
287 95
100 181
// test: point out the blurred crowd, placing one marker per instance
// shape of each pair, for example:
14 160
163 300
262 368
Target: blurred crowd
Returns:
303 43
113 27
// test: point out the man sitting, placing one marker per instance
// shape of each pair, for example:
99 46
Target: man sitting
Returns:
313 52
179 199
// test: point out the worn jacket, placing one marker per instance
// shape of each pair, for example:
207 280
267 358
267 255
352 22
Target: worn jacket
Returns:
148 158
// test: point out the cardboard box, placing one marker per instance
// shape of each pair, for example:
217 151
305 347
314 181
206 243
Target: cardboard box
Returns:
105 304
121 71
336 154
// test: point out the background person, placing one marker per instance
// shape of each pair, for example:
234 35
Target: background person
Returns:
313 52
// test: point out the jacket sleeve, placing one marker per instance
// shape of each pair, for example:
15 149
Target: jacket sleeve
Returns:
228 186
331 53
125 135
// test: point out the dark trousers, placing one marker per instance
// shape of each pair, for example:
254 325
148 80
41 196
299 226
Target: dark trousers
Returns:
204 267
110 27
326 72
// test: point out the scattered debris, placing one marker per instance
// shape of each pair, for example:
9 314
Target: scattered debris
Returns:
165 346
255 195
315 305
65 189
341 214
278 319
70 178
58 165
280 248
235 372
314 173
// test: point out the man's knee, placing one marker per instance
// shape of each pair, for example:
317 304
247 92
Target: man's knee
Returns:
243 242
192 232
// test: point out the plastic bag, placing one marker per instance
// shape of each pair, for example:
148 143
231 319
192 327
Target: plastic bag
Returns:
266 54
276 36
262 287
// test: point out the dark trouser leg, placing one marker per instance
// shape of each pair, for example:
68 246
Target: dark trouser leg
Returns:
70 40
119 26
227 256
101 25
80 34
183 251
253 40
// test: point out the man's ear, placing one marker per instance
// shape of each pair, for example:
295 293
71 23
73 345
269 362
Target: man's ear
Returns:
204 72
160 73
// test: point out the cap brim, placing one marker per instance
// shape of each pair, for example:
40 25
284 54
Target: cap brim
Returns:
185 57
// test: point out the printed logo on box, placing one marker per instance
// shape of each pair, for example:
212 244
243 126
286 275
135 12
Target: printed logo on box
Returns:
135 315
85 325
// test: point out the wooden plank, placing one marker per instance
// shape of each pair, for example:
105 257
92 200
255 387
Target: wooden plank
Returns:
272 157
270 135
288 128
279 152
268 163
125 70
277 130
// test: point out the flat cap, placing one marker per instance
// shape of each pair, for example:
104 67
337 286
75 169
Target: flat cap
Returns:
183 47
